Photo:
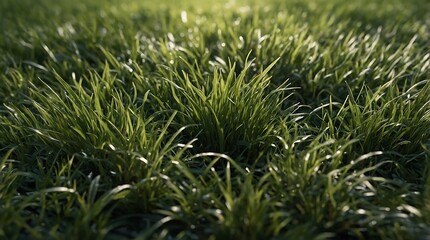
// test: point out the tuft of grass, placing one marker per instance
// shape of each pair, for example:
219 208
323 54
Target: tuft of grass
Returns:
228 113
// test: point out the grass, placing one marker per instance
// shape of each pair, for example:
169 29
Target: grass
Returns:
229 120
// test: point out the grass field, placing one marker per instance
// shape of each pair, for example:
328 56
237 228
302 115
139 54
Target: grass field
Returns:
280 119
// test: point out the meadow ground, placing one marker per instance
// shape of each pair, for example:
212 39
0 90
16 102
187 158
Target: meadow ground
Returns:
222 120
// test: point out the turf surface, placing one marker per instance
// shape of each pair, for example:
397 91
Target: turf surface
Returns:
228 120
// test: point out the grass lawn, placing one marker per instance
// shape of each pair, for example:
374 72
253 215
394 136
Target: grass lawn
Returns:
246 119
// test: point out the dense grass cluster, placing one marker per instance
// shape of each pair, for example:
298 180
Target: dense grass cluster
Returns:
228 120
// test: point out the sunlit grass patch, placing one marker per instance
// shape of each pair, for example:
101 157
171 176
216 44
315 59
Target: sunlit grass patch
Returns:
236 119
